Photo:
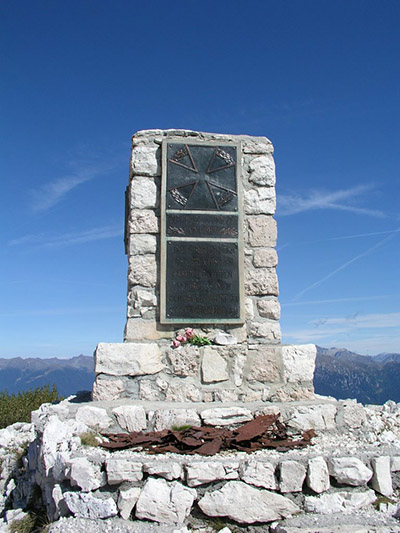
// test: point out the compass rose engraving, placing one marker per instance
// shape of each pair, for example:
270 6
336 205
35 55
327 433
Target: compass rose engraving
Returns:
201 177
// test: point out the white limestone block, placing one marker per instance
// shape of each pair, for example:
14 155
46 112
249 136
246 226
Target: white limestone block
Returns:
142 244
224 416
127 499
94 417
224 339
265 258
121 468
261 282
269 308
262 231
395 464
259 474
318 475
351 414
165 502
169 418
246 504
183 392
167 469
298 362
319 417
130 417
262 170
213 366
382 479
143 221
107 389
264 364
349 470
260 201
339 502
142 270
143 298
86 475
268 330
256 145
130 358
86 505
203 472
145 160
144 194
184 360
292 475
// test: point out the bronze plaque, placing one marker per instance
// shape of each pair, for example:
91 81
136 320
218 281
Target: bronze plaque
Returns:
201 259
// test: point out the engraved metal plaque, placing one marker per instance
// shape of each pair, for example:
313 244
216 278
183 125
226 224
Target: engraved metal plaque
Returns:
201 244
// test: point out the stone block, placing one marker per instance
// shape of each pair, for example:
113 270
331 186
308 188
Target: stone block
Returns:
133 359
146 160
318 417
318 475
259 474
349 470
269 308
256 145
85 475
122 468
107 389
262 170
395 464
127 499
267 331
213 366
265 258
298 362
138 329
143 221
170 418
264 364
382 479
262 231
185 360
169 470
142 244
165 502
292 475
148 390
86 505
130 417
261 282
351 414
187 391
246 504
144 193
225 416
226 395
143 298
203 472
94 417
142 271
339 502
260 201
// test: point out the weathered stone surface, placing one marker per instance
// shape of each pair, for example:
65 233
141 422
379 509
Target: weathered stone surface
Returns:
249 308
137 329
142 244
143 221
224 416
204 472
395 464
130 417
224 339
269 308
261 282
86 475
246 504
238 368
146 160
184 360
256 145
239 332
298 362
351 414
262 170
318 475
292 475
260 201
169 418
142 270
349 470
268 331
165 502
185 391
127 499
264 364
262 231
133 358
382 480
259 474
122 468
338 502
86 505
213 366
226 395
265 258
143 298
167 469
107 389
148 390
306 417
94 417
144 193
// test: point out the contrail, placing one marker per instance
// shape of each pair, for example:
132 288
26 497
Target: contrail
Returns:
346 264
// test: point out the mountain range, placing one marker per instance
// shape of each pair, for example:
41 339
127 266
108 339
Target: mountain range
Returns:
338 373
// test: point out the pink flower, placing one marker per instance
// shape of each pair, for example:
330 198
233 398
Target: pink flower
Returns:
189 333
180 338
175 343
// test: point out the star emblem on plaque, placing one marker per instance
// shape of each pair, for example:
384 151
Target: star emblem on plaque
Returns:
201 177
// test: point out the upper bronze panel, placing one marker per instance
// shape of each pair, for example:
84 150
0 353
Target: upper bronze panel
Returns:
201 177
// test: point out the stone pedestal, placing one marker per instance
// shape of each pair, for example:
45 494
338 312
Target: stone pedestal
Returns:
256 367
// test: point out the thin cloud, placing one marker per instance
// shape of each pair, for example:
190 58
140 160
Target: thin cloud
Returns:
340 300
46 240
345 265
291 204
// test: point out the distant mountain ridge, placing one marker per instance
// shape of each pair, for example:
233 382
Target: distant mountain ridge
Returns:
338 372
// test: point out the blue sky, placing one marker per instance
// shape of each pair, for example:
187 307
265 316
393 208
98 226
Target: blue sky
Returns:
320 79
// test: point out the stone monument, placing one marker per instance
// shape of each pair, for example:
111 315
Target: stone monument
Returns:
200 239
